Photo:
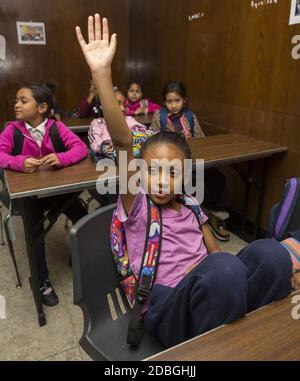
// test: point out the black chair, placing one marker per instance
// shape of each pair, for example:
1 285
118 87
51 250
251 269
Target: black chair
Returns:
97 292
13 210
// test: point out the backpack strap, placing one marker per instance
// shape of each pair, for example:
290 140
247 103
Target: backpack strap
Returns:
145 104
120 254
190 117
192 203
18 142
57 143
186 112
285 209
147 274
163 118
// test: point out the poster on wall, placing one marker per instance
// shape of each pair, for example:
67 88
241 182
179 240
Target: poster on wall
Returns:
295 12
31 33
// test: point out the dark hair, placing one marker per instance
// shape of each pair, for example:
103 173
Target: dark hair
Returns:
169 137
174 87
41 94
50 86
135 82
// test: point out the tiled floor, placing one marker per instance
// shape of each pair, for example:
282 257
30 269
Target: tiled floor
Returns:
20 336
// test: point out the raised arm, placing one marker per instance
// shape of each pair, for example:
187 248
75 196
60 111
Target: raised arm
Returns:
99 54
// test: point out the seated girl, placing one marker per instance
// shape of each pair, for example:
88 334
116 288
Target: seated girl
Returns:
135 103
197 287
90 106
100 141
45 143
176 116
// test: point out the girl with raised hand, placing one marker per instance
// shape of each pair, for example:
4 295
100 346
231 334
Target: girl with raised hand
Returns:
197 287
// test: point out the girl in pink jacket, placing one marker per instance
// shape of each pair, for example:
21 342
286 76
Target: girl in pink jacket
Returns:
32 142
135 103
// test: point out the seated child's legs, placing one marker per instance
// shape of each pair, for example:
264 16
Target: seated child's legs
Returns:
214 293
74 209
269 272
37 208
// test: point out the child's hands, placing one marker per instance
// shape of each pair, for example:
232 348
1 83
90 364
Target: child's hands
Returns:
31 165
100 50
141 111
51 160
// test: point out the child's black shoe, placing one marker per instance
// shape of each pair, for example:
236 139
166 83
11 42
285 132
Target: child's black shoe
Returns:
48 295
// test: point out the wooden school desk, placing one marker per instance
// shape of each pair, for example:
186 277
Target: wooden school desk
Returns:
146 120
78 125
83 125
215 150
268 334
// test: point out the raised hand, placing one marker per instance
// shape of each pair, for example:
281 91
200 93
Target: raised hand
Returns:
100 50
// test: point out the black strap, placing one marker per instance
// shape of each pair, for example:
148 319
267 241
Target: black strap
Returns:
57 143
135 331
18 142
54 135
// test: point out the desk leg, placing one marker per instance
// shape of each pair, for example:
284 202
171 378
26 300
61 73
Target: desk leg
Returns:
34 282
262 190
249 182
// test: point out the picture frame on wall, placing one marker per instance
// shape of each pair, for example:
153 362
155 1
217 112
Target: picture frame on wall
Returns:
295 12
31 33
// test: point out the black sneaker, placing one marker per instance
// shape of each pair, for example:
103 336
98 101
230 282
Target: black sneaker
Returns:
49 297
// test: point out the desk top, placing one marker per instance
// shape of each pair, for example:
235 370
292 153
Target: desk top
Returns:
78 125
215 150
144 119
264 335
83 125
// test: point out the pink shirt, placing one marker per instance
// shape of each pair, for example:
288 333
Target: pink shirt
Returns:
131 108
182 243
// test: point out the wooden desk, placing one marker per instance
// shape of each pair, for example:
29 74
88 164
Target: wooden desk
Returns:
215 150
83 125
78 125
146 120
269 334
